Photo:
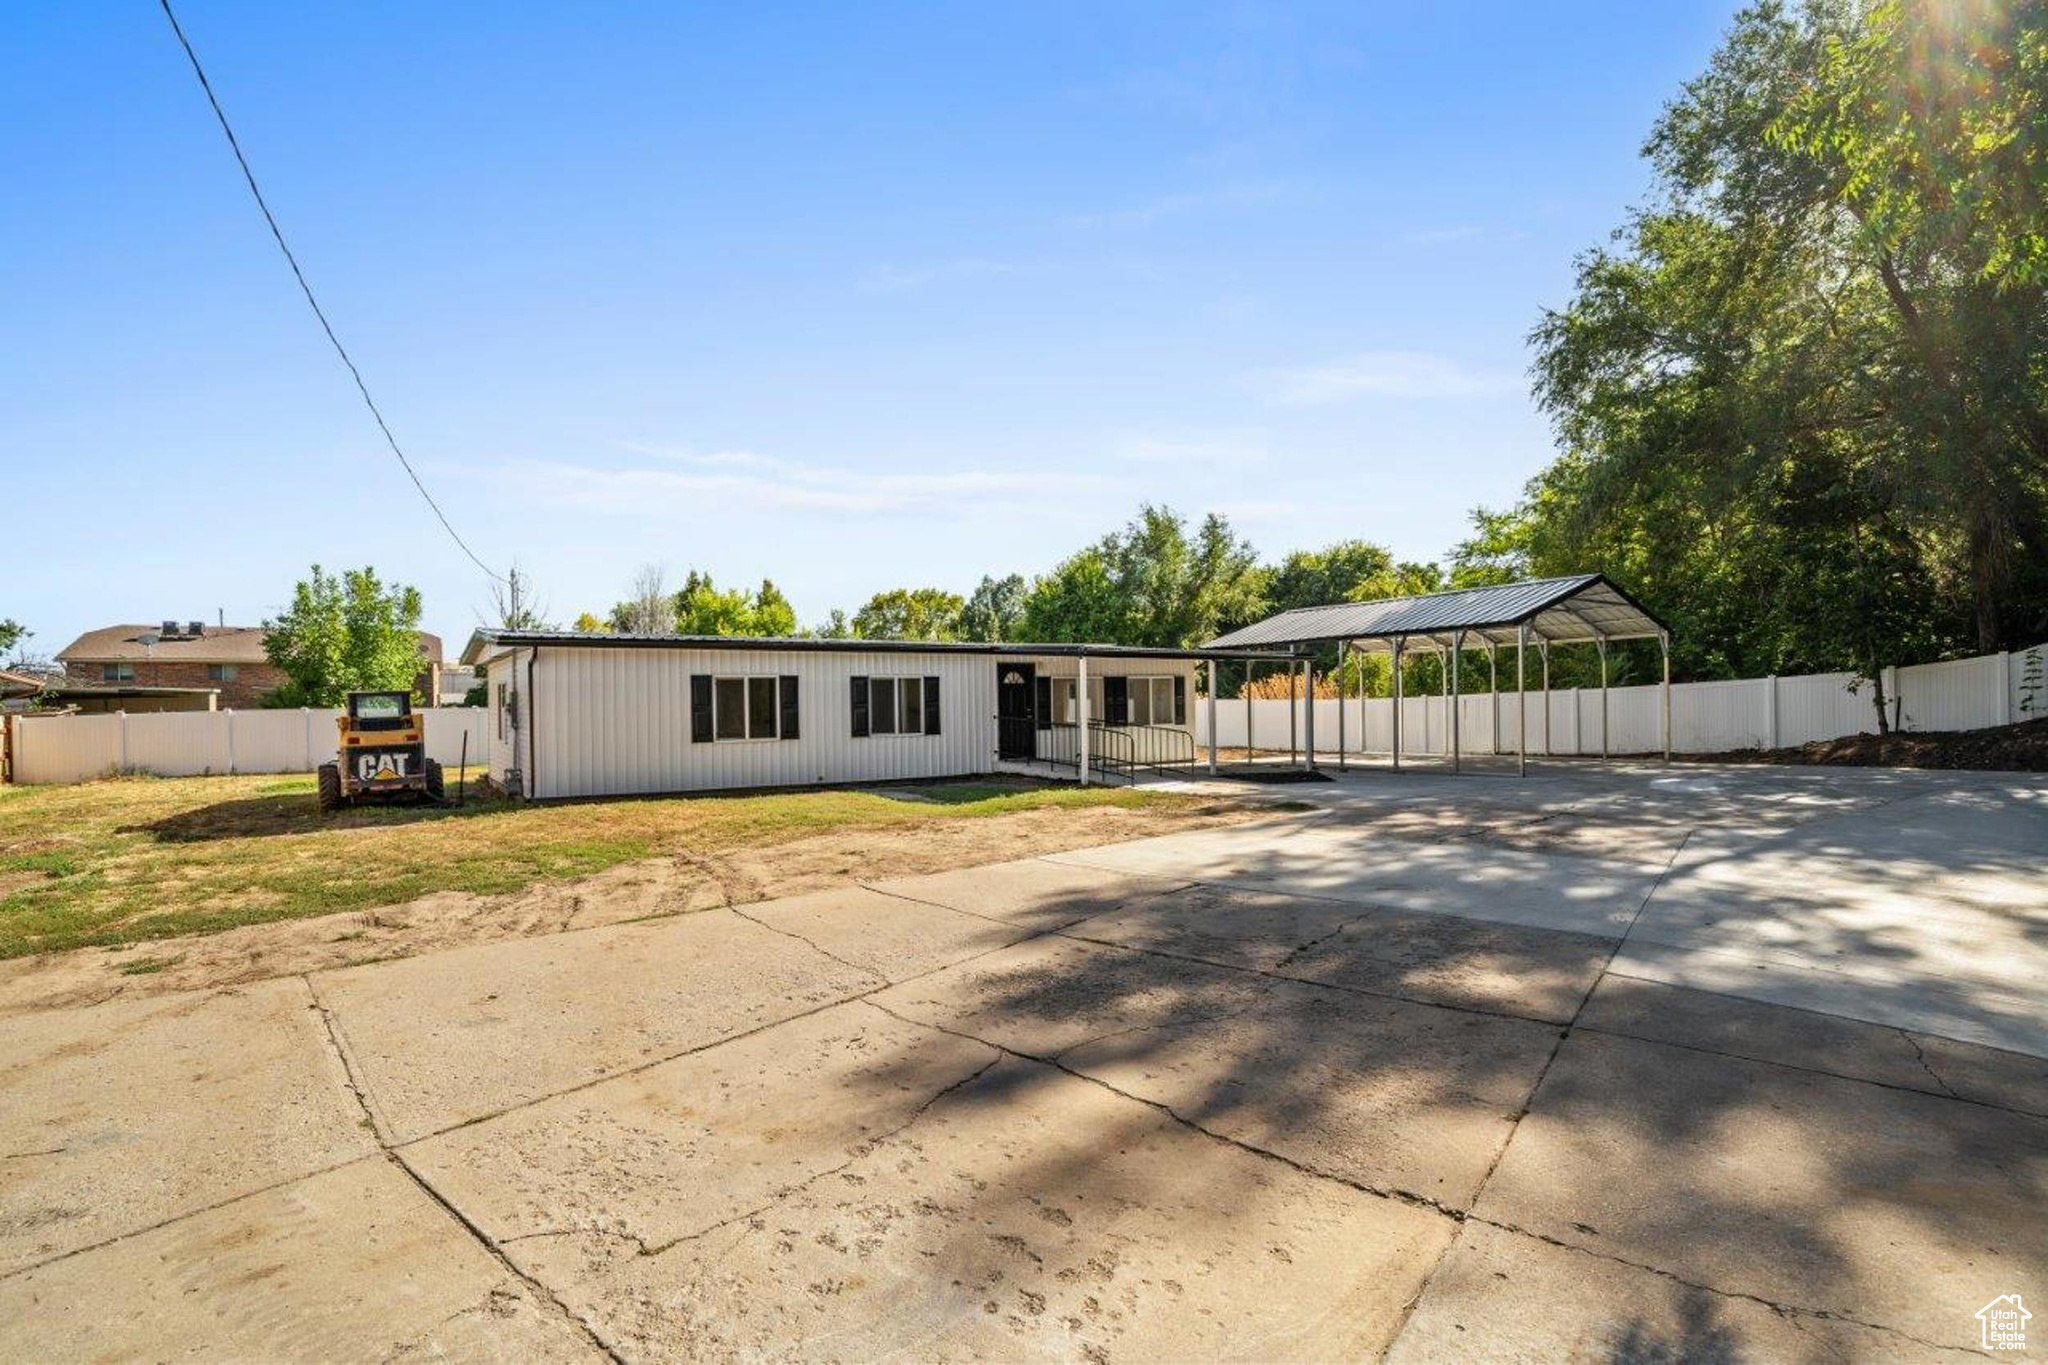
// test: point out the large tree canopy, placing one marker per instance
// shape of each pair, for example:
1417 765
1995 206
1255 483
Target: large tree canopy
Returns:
1804 395
1151 583
343 635
910 614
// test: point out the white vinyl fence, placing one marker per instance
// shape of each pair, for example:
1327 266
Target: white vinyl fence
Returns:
1706 717
196 743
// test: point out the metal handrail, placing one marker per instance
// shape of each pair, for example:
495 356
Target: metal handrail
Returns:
1117 750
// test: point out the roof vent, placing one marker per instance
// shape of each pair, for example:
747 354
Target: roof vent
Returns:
170 630
195 629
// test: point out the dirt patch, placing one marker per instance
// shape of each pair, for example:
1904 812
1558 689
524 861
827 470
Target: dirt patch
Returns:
644 889
2021 748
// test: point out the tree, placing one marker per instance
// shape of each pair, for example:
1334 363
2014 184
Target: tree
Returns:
835 627
995 610
342 635
1150 583
910 614
1801 402
649 610
12 633
702 608
591 624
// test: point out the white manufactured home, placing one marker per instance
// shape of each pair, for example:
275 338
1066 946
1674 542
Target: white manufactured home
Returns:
582 715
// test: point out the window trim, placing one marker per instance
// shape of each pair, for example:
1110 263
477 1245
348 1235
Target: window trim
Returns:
895 683
119 672
746 734
223 673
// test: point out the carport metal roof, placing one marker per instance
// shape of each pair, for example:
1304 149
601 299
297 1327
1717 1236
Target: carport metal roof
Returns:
1581 609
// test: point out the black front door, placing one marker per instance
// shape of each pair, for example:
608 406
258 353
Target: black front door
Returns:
1016 726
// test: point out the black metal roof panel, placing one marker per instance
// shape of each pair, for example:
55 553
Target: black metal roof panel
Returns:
487 638
1583 607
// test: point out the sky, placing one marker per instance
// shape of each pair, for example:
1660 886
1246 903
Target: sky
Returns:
848 296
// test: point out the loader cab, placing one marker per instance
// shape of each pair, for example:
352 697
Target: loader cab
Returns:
380 710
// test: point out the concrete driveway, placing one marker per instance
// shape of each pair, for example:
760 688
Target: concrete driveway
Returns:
1635 1065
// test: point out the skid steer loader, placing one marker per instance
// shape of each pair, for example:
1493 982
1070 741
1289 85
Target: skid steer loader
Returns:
382 754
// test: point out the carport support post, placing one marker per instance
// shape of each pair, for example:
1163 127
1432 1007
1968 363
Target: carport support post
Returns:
1081 716
1521 701
1343 651
1248 750
1215 681
1543 648
1293 717
1664 641
1493 697
1308 715
1400 644
1601 641
1457 650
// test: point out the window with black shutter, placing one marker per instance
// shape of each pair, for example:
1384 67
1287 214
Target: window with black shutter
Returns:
789 706
1044 705
1180 699
1116 701
860 708
931 705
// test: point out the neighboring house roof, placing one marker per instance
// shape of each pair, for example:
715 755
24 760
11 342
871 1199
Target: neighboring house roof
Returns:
484 642
1581 608
19 684
215 645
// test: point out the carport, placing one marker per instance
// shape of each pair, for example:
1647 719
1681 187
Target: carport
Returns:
1583 609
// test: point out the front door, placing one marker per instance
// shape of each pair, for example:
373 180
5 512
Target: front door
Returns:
1016 725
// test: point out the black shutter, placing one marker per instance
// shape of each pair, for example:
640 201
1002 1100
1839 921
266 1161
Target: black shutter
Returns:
789 707
1044 702
860 708
1116 701
700 708
931 705
1180 699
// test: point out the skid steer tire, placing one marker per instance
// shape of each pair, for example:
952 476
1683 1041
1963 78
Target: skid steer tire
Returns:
330 787
436 788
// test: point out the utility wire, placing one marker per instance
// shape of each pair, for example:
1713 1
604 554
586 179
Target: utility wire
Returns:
307 289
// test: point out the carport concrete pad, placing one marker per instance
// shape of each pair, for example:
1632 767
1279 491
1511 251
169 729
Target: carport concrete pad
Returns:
1025 1214
123 1115
354 1264
457 1036
1892 1208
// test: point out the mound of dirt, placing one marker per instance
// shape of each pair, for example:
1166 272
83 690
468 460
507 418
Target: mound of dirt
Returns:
2021 748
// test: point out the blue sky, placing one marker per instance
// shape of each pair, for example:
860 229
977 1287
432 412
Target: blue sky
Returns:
853 296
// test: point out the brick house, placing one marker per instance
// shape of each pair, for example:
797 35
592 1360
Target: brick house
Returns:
196 655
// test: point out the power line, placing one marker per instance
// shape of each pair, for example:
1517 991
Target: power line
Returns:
307 289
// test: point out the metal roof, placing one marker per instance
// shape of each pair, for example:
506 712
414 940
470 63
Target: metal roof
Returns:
1579 609
485 640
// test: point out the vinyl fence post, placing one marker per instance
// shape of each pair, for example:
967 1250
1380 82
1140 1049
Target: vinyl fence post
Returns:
231 741
124 740
2004 711
306 718
1776 741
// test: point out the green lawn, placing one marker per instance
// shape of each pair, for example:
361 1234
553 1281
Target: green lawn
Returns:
133 859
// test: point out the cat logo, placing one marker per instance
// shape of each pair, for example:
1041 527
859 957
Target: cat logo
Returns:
380 767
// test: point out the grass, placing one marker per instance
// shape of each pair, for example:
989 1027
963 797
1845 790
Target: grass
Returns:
136 859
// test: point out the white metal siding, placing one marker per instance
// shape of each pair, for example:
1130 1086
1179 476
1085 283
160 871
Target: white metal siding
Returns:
616 721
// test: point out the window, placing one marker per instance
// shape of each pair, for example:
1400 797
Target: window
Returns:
117 672
1149 700
895 706
507 708
743 706
221 672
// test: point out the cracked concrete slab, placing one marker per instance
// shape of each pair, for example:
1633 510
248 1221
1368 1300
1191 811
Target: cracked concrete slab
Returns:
1403 1098
1503 1297
1050 994
1027 1214
887 935
1819 1042
628 1158
353 1264
1907 1211
1256 930
121 1116
450 1038
1035 894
